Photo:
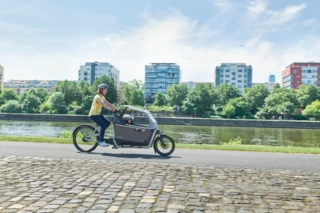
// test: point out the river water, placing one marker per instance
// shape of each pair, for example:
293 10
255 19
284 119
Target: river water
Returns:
183 134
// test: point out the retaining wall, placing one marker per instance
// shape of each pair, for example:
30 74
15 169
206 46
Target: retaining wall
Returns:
171 121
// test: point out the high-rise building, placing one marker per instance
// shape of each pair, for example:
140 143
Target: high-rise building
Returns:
93 70
22 86
272 79
299 73
158 77
1 77
236 74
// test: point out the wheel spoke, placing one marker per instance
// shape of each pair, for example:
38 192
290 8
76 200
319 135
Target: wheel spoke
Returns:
85 139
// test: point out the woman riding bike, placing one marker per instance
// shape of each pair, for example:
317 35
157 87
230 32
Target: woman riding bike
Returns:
98 102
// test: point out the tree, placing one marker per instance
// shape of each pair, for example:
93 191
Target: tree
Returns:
229 110
45 107
281 100
312 110
160 100
136 98
70 91
202 97
24 95
31 104
85 106
9 94
226 92
255 97
112 95
85 90
42 94
306 94
176 94
240 105
57 103
130 89
11 106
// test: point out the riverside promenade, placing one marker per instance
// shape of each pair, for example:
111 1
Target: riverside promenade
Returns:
47 184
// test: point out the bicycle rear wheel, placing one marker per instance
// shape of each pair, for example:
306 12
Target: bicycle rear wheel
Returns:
85 138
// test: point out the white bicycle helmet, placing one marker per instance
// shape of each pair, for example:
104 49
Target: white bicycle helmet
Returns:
127 117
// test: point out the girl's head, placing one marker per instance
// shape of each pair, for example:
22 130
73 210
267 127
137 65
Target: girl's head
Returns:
102 89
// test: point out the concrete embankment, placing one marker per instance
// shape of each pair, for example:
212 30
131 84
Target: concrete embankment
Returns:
170 121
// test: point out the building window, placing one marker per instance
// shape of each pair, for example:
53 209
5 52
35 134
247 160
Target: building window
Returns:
239 81
239 76
239 70
227 70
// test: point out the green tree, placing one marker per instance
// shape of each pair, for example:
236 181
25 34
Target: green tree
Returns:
84 88
176 94
202 97
31 103
112 95
130 89
255 97
58 106
160 100
136 98
229 110
24 95
70 91
312 110
241 106
42 94
85 106
306 94
226 92
45 107
9 94
11 106
281 101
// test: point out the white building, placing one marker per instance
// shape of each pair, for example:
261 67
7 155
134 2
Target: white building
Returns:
93 70
22 86
1 77
159 77
236 74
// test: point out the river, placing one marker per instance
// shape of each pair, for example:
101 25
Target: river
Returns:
184 134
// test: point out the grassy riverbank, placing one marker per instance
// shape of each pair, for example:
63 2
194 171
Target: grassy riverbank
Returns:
230 147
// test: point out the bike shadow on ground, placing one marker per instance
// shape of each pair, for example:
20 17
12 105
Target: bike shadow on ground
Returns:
131 155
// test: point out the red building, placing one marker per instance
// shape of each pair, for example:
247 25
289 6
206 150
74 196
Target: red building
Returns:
299 73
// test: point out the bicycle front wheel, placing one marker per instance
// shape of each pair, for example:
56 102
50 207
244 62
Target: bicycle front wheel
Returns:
85 138
164 147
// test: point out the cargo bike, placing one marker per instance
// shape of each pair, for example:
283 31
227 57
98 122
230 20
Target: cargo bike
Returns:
86 136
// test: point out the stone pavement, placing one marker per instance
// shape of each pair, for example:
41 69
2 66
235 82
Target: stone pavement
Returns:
68 185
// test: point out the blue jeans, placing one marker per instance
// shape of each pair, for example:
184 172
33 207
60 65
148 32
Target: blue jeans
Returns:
103 122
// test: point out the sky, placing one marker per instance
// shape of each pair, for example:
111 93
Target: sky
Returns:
50 39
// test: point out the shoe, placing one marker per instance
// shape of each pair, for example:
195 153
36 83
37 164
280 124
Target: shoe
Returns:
104 144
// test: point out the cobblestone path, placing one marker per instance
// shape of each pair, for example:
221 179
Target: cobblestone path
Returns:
66 185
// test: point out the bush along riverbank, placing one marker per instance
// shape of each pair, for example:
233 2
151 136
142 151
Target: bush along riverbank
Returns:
233 145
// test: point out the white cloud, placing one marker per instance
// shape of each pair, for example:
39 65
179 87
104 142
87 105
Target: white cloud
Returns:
173 37
272 17
257 6
222 4
289 13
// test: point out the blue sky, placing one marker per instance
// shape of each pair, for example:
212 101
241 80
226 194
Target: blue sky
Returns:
50 39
